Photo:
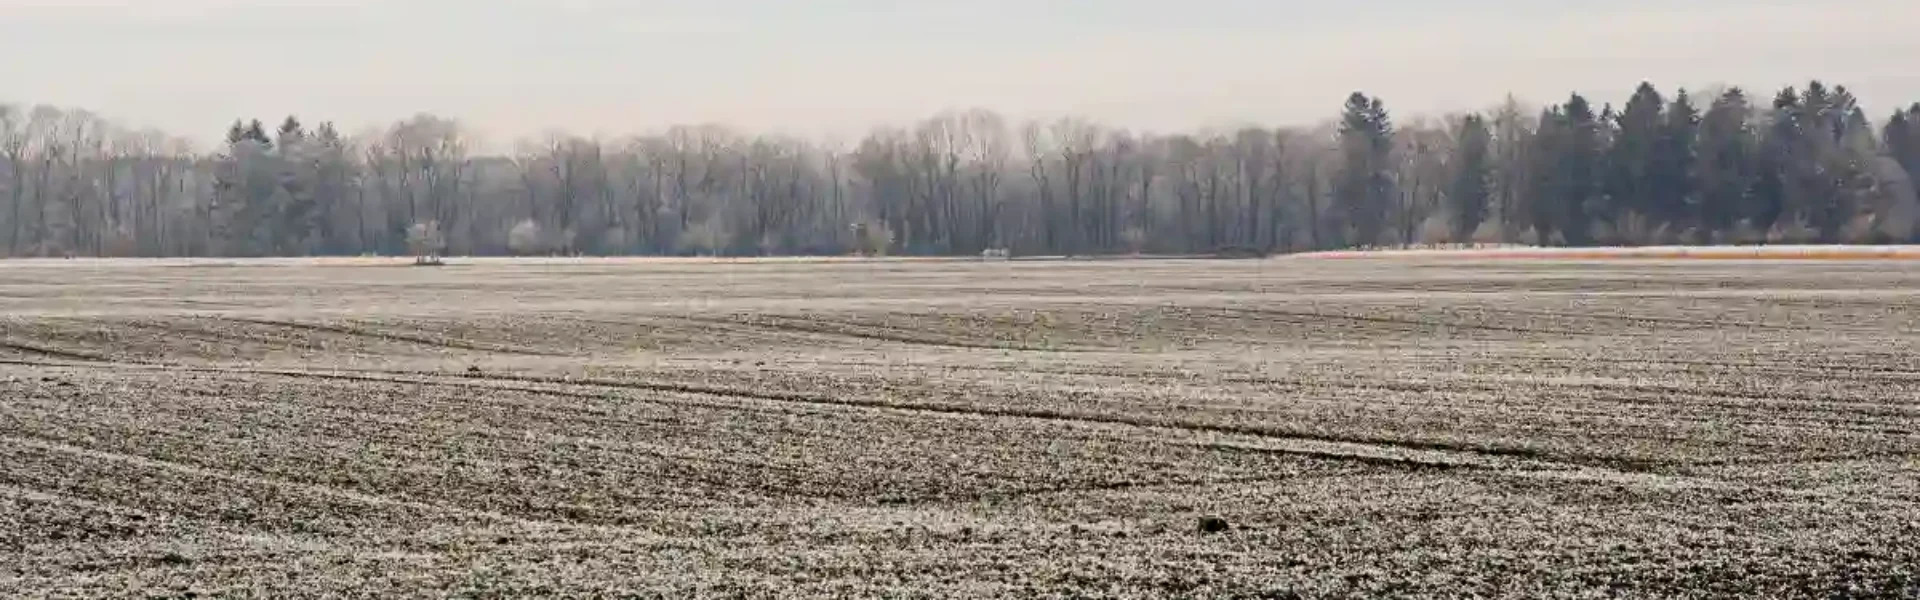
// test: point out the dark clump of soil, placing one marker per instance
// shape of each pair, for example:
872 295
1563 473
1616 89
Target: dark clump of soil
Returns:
1213 525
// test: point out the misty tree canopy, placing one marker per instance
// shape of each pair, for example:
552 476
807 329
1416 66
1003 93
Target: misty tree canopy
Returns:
1804 165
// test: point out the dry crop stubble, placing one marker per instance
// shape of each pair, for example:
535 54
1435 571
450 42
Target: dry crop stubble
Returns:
960 429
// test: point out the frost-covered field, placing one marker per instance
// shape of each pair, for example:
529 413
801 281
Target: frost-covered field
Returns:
1390 427
1511 252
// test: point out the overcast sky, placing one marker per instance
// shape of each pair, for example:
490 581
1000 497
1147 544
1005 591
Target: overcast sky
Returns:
836 67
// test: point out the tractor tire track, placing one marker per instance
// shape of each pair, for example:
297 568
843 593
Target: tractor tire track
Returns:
57 447
1502 453
441 343
1093 488
1697 324
823 329
1419 323
35 350
493 383
1860 372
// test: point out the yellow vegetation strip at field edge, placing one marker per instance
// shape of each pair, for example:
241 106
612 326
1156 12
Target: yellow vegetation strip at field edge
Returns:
1648 253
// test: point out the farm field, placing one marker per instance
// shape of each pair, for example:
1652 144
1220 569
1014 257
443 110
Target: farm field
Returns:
1399 427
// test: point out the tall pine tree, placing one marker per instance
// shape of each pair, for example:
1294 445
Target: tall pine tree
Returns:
257 132
1727 155
1830 179
1364 190
294 218
291 133
1775 195
1902 139
1578 172
1471 190
1633 180
1543 196
1676 200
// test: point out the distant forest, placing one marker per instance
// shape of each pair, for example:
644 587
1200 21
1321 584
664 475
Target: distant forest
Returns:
1803 165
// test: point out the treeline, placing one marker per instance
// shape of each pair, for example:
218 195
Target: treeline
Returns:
1806 165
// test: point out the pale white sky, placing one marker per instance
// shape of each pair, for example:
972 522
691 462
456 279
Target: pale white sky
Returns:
836 67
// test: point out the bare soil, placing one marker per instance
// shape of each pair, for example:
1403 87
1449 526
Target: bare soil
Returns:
920 429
